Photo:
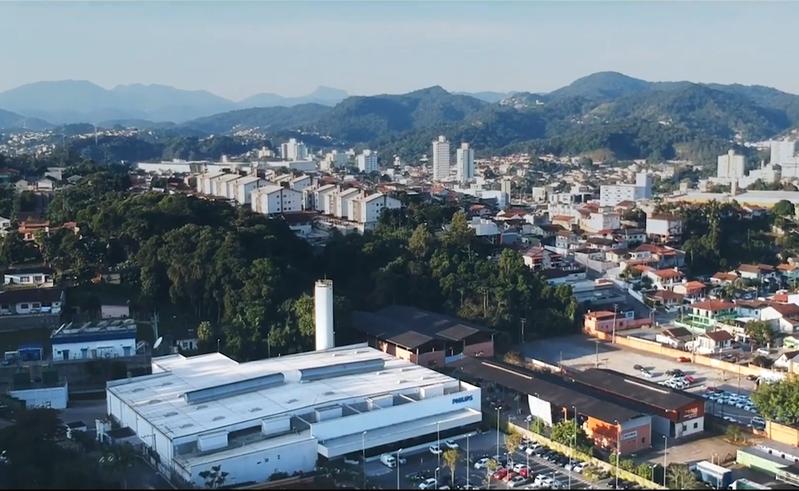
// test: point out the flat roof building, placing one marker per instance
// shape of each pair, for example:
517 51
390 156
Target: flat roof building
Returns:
278 414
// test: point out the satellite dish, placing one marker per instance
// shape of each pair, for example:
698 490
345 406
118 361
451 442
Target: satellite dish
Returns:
158 342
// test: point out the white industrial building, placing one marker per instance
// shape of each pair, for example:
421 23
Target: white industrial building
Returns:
440 158
367 161
111 338
272 198
613 194
279 414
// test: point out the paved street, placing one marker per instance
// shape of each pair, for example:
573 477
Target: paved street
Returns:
481 445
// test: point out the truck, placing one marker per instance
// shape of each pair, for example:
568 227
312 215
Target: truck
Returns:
388 460
717 476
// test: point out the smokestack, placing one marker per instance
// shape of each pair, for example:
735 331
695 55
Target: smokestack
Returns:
323 301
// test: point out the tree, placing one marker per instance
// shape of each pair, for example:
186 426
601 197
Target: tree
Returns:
778 401
451 457
512 441
678 476
205 333
215 477
783 208
565 433
733 434
760 331
491 466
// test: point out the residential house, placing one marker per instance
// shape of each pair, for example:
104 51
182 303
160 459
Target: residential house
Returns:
756 272
666 298
658 256
663 227
721 278
564 221
38 276
5 226
711 342
630 236
546 231
31 301
565 239
539 258
782 317
483 227
664 279
604 320
786 359
675 337
789 271
750 308
692 290
706 314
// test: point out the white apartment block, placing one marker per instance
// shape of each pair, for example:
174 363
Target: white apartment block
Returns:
601 221
272 199
663 226
440 158
367 161
783 151
731 166
367 210
464 158
613 194
324 199
334 160
293 150
245 187
344 202
300 183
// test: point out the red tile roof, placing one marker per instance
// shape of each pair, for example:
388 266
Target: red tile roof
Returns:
786 309
713 305
719 336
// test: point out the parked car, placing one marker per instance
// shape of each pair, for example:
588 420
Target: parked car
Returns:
683 359
451 444
646 374
518 467
578 467
517 481
481 463
429 483
638 367
499 474
530 450
436 450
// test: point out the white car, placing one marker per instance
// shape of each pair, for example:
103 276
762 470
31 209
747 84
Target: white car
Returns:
578 467
436 450
532 448
517 481
543 481
482 463
451 444
518 467
429 483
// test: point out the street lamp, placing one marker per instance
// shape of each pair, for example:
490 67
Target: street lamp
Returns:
618 451
363 456
436 476
398 467
571 448
615 308
468 461
665 452
438 445
498 409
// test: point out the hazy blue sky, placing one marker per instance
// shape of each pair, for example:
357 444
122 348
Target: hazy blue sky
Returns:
238 49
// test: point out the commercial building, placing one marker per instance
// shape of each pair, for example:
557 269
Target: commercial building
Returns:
674 413
367 161
111 338
422 337
272 199
278 415
613 194
464 159
551 398
440 159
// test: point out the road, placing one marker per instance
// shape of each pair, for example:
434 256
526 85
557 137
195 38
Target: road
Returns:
424 463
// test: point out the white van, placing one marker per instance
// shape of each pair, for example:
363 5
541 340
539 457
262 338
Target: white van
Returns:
388 460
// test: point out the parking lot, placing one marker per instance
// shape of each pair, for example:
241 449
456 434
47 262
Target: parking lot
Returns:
421 464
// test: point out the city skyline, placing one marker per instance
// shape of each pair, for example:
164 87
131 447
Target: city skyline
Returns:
462 46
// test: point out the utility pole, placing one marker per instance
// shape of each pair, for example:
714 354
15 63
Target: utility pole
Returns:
615 309
596 343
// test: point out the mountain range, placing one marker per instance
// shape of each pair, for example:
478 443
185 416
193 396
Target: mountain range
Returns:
607 113
80 101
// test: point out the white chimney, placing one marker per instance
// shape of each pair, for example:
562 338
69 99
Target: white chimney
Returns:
323 300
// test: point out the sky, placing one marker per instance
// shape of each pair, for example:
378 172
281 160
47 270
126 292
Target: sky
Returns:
236 49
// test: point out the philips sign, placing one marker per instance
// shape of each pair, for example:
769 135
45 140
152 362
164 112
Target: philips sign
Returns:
461 399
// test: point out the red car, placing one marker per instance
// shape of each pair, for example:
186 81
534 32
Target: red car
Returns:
683 359
499 473
524 471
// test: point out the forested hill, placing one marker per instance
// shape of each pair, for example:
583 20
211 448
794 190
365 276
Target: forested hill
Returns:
610 112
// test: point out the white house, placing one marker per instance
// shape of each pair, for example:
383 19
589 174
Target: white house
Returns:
271 199
31 301
663 227
5 226
113 338
782 317
29 276
483 227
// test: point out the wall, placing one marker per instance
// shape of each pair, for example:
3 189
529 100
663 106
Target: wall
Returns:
114 348
485 348
258 466
50 397
782 433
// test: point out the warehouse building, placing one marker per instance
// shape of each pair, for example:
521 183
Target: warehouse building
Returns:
259 418
551 398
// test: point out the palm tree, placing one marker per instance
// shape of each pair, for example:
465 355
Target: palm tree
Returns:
491 466
680 477
215 477
451 457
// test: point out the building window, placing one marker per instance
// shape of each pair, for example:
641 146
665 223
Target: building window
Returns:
23 306
696 425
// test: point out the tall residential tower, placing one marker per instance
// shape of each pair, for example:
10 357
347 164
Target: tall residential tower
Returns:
440 158
465 163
